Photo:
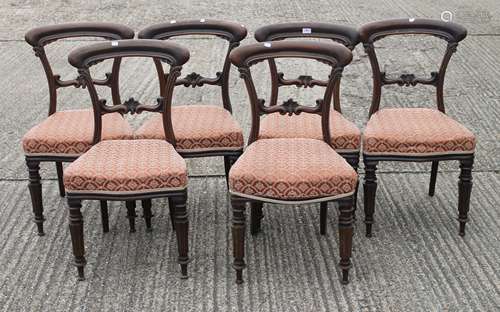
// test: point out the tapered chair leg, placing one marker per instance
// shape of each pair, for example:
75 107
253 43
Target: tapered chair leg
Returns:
104 216
345 236
238 233
370 189
76 231
256 216
181 230
432 183
35 188
131 215
464 191
172 213
323 216
60 180
146 209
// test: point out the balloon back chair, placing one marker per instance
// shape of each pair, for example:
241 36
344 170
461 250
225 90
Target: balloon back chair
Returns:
65 135
291 171
201 130
346 137
128 170
414 134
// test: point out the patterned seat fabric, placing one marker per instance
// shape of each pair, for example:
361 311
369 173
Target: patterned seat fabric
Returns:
415 131
291 169
127 166
346 137
70 133
197 128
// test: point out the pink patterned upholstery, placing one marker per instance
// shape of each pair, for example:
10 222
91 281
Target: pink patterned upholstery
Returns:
70 133
345 136
127 166
291 169
415 131
197 128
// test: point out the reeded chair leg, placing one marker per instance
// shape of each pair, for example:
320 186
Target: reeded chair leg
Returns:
238 233
370 189
35 188
131 215
256 216
181 230
464 191
60 180
104 216
172 213
146 210
323 216
345 236
432 183
76 231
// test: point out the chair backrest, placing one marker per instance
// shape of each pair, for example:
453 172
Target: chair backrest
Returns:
173 54
39 37
452 33
335 55
344 35
230 31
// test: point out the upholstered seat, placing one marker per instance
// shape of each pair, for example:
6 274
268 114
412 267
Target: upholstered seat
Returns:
125 166
415 131
197 128
70 133
346 137
291 169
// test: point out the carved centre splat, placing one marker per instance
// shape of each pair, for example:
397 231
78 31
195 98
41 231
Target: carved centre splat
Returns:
196 80
290 107
305 81
410 80
131 105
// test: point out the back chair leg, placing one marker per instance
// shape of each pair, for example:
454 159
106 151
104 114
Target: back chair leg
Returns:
181 230
172 213
345 236
370 189
256 216
60 180
104 216
131 215
76 231
35 188
464 191
238 233
323 216
146 210
432 183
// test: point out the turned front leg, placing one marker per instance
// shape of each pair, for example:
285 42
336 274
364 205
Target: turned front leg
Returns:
76 231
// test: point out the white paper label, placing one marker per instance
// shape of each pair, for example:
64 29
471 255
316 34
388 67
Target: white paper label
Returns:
306 30
114 43
411 19
202 20
267 44
173 21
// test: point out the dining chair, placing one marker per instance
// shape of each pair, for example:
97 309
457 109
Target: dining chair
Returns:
66 134
346 137
201 130
128 170
414 134
291 171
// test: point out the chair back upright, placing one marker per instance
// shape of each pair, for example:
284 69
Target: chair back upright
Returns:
452 33
229 31
40 37
173 54
335 55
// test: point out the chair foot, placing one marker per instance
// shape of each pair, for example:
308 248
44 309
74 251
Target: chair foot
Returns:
81 275
131 215
239 276
35 188
146 209
464 191
345 277
432 183
370 189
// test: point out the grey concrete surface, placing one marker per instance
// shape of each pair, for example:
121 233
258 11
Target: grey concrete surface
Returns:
415 261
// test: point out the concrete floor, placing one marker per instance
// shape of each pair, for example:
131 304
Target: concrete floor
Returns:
415 262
